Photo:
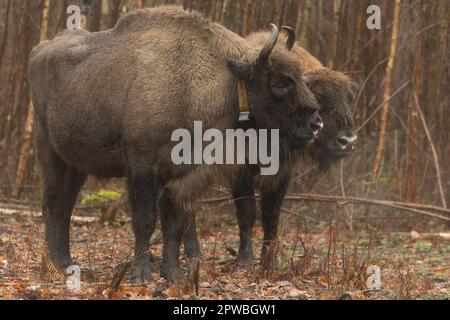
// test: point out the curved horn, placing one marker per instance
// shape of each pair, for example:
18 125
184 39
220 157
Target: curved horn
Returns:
291 37
267 50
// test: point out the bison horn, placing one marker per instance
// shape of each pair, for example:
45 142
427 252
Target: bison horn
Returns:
291 37
267 50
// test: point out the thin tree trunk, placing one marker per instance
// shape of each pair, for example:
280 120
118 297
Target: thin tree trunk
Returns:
387 90
218 10
305 29
278 13
438 105
246 21
337 6
224 11
26 143
114 6
433 151
414 114
15 77
62 16
95 16
298 23
5 32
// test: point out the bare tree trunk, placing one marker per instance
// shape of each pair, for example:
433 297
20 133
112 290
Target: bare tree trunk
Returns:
61 24
217 9
433 150
337 6
306 18
26 143
414 113
114 12
278 12
298 23
5 32
387 90
438 106
16 72
246 21
224 11
95 16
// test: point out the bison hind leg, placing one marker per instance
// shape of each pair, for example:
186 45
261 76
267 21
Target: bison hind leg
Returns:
190 238
61 186
173 222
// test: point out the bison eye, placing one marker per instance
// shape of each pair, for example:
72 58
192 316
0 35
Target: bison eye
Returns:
281 85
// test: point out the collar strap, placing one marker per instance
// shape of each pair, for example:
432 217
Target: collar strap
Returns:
244 111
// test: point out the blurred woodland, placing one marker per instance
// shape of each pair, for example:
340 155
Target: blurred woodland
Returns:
402 109
396 181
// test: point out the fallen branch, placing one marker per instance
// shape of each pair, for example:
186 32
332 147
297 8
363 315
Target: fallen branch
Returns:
328 198
418 208
37 214
405 206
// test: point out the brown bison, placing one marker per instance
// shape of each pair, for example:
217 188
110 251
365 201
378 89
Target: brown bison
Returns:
334 92
107 103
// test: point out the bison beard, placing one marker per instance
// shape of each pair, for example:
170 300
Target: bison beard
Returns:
106 104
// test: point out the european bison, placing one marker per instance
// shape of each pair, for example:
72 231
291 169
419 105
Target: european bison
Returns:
107 103
334 92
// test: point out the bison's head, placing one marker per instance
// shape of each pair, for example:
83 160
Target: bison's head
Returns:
334 91
277 93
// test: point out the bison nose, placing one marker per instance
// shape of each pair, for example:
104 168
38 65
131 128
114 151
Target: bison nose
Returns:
346 140
315 124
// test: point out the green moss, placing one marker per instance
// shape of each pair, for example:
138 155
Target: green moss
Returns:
422 245
102 197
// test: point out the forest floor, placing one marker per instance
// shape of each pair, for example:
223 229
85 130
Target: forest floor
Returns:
327 262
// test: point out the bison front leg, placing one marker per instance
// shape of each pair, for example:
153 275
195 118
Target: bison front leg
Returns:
173 222
271 201
244 200
190 237
142 194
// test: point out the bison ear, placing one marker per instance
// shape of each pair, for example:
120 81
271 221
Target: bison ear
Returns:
241 70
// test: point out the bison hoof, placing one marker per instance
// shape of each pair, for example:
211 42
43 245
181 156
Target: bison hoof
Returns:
141 274
245 258
171 274
48 265
192 252
142 270
60 262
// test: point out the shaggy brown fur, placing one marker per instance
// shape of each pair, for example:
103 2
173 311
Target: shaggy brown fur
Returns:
106 104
